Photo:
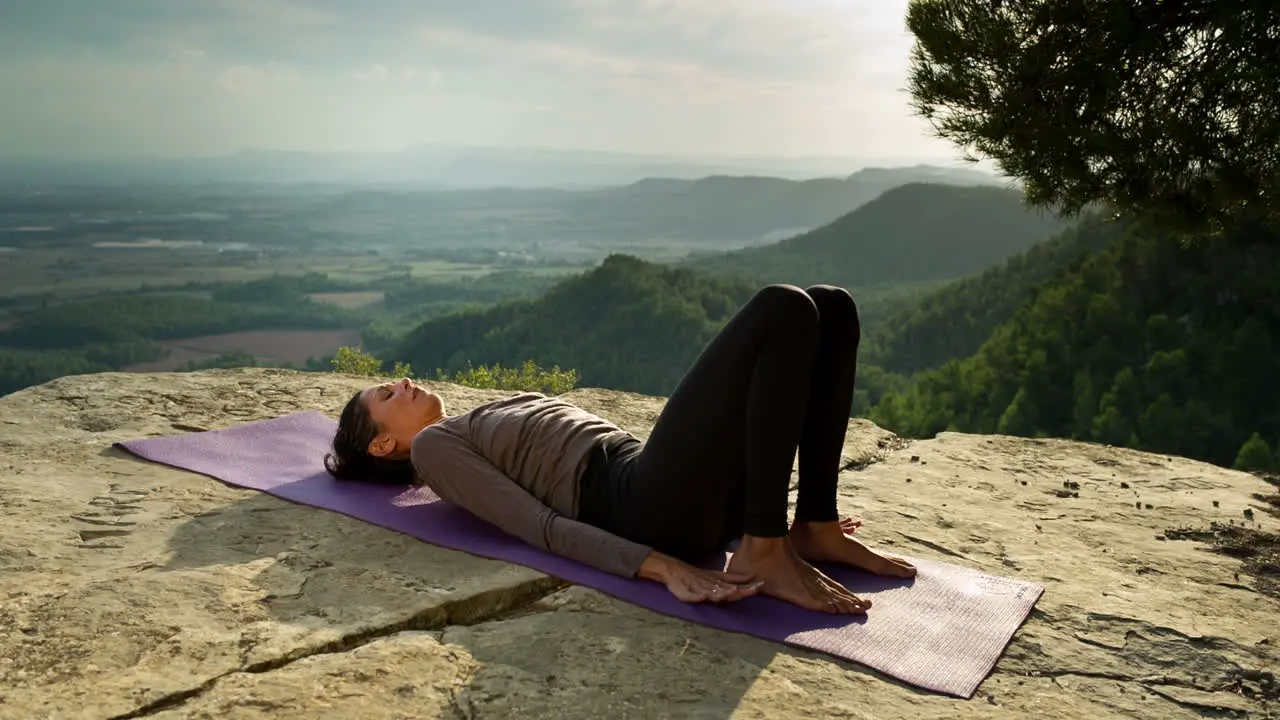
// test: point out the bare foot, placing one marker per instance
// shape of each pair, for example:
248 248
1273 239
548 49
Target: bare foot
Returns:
786 576
829 542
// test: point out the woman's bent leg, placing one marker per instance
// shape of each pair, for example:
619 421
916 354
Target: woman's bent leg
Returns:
727 437
816 533
830 399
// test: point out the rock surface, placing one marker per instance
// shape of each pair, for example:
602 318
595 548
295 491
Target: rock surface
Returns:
131 590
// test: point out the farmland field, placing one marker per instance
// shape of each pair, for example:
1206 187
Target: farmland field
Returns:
441 269
349 300
72 272
270 346
84 272
175 359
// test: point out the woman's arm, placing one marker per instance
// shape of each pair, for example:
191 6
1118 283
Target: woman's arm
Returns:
461 476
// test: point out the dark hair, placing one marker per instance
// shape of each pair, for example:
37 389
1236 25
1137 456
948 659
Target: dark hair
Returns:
351 460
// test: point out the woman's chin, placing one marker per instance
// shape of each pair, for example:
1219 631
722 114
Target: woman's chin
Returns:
432 406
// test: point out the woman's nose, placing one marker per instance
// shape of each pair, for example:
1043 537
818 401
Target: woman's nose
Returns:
406 383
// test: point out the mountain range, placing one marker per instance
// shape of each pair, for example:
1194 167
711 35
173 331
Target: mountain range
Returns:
428 167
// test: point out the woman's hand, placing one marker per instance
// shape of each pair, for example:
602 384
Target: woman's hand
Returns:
693 585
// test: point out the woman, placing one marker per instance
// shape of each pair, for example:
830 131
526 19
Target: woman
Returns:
716 468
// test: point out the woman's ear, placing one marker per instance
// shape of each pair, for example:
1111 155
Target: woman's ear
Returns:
382 445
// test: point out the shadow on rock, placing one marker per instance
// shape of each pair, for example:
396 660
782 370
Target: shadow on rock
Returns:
308 567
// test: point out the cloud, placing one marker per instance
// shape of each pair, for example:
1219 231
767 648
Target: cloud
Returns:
270 78
795 33
383 75
668 80
764 26
704 52
278 31
278 13
208 76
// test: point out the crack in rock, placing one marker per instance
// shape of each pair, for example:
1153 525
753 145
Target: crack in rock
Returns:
1202 674
1206 708
1153 684
934 546
483 607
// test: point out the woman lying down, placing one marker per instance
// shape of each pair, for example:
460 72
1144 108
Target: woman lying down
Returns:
716 468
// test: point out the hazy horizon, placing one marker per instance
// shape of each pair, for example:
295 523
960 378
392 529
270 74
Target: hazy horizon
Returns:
620 153
672 78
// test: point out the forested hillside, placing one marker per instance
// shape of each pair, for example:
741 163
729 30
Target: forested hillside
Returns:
914 233
955 320
1165 339
627 324
1149 343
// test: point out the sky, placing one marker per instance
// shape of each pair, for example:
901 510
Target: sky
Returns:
182 78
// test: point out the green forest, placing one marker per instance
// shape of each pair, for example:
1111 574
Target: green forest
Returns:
958 318
627 325
1146 343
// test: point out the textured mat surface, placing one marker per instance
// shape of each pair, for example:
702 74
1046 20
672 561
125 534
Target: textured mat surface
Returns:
942 631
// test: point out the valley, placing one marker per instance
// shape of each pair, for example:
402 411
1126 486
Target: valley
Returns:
357 265
623 285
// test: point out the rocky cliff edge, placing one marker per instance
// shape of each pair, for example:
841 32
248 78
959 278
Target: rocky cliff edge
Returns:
131 590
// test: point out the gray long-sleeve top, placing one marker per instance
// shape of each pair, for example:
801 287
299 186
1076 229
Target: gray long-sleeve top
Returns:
516 464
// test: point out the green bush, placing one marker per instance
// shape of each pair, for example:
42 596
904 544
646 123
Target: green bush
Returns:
1255 455
529 377
353 361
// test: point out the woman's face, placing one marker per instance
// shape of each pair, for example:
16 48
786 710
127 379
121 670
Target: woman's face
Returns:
400 410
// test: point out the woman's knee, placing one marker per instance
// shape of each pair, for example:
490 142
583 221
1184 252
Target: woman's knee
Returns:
789 306
836 306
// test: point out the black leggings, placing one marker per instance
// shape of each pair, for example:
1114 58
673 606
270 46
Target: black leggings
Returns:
778 377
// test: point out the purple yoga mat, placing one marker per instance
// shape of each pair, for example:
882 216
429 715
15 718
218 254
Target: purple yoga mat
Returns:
942 631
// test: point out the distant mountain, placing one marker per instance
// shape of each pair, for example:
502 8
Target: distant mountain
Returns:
424 167
626 325
728 211
743 209
919 232
955 320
